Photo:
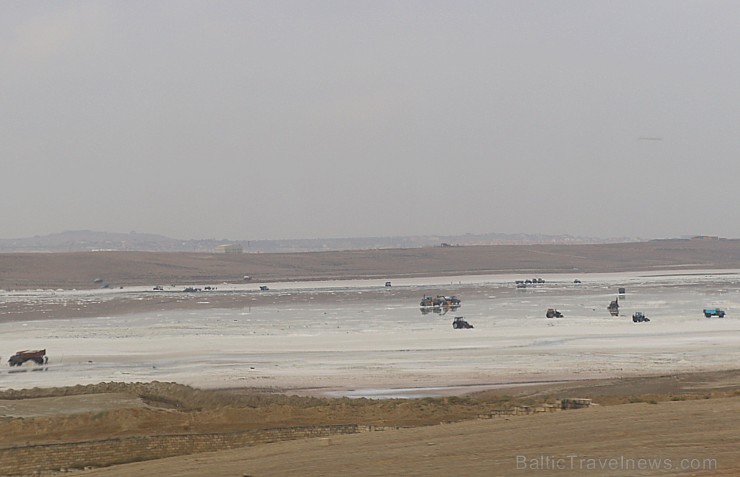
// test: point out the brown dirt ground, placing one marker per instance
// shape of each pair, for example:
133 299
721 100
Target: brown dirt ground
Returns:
669 417
20 271
599 441
53 415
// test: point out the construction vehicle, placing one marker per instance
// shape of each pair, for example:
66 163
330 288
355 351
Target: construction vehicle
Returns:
38 356
460 324
614 307
639 317
553 313
440 301
710 312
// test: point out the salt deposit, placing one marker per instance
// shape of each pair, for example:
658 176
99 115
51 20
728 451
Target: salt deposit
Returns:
358 338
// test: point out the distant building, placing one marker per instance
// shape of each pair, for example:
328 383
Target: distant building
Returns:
705 237
229 248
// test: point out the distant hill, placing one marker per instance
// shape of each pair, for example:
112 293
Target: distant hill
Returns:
87 240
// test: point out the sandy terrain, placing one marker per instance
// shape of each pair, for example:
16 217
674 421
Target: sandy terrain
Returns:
349 335
687 424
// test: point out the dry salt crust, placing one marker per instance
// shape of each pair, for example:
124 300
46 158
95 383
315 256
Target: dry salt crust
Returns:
361 339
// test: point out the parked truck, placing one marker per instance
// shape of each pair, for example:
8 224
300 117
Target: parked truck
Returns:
710 312
38 356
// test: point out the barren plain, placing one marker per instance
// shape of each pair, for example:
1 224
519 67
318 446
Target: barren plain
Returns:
329 343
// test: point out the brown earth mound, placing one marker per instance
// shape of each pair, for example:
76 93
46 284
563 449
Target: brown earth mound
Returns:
690 438
170 408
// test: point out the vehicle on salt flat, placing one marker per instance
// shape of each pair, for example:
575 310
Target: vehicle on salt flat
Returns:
710 312
38 356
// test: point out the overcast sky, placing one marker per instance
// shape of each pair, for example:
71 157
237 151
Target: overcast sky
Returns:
315 119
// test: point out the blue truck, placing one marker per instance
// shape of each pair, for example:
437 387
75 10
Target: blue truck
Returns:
710 312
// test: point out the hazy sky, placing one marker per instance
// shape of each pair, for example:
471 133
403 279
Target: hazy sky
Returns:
307 119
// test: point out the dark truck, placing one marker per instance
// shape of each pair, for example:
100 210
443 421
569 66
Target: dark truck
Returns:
38 356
